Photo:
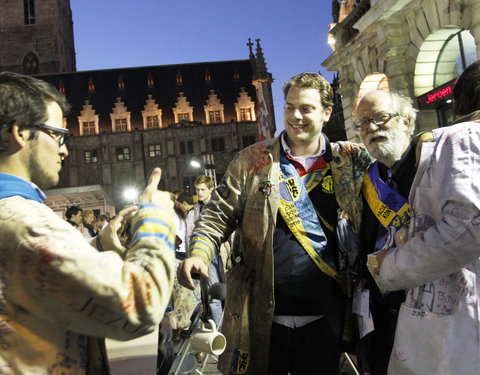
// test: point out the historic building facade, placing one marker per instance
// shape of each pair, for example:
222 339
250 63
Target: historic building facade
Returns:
124 122
418 47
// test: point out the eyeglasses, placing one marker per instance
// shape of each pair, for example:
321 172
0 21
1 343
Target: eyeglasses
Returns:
61 132
379 118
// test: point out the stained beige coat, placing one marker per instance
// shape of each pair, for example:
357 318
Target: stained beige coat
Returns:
240 202
57 293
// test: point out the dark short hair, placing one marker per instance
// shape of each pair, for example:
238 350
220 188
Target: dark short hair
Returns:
311 81
185 197
23 101
466 92
72 211
203 179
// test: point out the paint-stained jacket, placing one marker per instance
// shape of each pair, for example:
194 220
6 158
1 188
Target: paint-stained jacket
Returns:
248 199
58 293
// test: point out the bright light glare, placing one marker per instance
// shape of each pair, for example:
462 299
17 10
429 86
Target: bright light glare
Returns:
195 164
130 194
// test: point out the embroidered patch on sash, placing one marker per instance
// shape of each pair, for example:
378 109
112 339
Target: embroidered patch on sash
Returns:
240 361
327 185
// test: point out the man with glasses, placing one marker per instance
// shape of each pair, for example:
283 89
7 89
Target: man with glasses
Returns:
439 263
58 294
386 122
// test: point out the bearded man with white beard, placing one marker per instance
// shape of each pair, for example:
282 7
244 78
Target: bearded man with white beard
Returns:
386 122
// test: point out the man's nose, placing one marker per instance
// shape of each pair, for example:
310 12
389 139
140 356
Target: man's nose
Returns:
63 150
297 113
370 125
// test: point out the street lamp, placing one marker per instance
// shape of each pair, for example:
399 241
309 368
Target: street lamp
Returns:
195 164
130 194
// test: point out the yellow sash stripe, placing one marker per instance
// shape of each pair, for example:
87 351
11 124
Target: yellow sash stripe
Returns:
294 223
383 213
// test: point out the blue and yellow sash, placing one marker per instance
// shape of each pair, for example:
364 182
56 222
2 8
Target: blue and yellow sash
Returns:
389 207
300 215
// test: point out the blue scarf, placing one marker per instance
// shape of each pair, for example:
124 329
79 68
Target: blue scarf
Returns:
300 215
11 186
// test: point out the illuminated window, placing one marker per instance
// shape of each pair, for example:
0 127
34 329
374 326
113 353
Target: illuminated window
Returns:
183 116
29 11
123 153
88 120
458 52
152 115
218 144
214 116
88 127
154 151
152 121
120 117
245 114
186 147
213 109
91 157
120 124
183 110
245 107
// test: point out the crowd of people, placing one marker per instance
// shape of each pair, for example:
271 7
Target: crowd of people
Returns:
324 247
86 222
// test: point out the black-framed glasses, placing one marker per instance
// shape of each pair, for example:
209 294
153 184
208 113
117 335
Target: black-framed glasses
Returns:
61 132
379 118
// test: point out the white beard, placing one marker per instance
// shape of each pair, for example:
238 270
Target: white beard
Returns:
390 150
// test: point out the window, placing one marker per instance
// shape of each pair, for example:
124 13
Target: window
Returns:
248 140
91 157
154 151
183 116
218 144
121 124
213 109
214 116
152 122
29 12
88 127
245 107
186 147
245 114
123 153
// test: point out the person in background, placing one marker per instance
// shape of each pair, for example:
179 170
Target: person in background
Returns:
204 188
74 217
439 261
59 295
101 222
88 218
285 303
183 299
186 204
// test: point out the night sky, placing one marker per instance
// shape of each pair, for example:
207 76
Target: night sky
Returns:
114 34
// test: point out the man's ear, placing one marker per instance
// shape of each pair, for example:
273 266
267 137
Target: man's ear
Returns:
19 136
328 112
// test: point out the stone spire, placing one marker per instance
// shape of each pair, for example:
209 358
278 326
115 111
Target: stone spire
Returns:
261 66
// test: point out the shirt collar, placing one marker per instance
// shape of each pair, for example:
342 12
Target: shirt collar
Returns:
288 150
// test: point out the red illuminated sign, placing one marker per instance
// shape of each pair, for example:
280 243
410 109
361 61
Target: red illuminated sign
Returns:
437 95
